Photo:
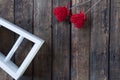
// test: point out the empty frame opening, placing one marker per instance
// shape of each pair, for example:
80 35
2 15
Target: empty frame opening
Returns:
6 40
23 51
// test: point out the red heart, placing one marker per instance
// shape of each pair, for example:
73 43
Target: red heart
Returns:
61 13
78 19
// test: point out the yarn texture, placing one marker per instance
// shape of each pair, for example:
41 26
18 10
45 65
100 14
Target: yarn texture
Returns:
78 19
61 13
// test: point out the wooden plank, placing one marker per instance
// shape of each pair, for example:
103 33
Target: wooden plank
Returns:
115 41
61 46
80 45
6 36
99 41
42 28
24 19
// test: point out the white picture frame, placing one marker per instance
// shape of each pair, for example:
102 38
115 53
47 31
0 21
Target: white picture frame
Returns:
5 61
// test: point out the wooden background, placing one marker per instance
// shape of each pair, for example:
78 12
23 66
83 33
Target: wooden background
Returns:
90 53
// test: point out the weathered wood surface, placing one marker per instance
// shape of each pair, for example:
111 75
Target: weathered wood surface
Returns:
99 41
42 28
80 46
90 53
115 41
61 46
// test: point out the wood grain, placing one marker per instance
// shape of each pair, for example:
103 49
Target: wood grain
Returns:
90 53
99 41
6 36
80 45
61 46
24 19
42 28
115 41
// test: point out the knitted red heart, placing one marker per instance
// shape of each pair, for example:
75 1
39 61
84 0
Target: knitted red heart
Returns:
78 19
61 13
